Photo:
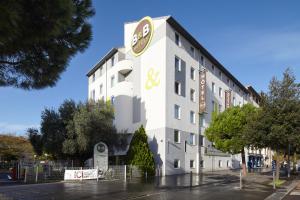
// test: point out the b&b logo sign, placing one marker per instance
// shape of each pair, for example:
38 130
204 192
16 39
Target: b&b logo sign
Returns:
142 36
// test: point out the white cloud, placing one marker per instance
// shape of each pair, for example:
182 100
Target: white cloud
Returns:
15 128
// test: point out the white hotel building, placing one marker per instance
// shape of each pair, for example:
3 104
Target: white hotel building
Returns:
154 81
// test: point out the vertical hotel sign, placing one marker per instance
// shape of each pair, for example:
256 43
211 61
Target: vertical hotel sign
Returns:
142 36
227 99
202 96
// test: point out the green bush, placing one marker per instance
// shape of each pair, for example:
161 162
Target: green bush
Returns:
139 153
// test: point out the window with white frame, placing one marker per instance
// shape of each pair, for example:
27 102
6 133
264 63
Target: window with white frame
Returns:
112 61
202 60
201 140
213 68
101 71
192 73
201 120
177 64
176 136
193 52
228 164
101 88
234 101
213 87
176 164
177 88
220 74
192 117
213 105
220 163
202 163
192 164
112 81
93 94
93 77
112 100
220 92
192 139
177 112
192 94
177 39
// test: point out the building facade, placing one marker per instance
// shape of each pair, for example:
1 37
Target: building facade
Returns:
163 79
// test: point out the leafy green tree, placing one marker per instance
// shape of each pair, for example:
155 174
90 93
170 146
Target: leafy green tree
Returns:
35 139
52 133
14 148
227 130
92 123
277 125
38 38
139 153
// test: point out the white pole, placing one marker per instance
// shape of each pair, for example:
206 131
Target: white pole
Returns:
37 174
81 173
125 175
97 173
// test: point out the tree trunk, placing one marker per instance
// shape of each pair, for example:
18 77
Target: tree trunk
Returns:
277 165
244 163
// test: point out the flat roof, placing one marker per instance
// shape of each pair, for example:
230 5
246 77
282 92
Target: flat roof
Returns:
197 45
102 61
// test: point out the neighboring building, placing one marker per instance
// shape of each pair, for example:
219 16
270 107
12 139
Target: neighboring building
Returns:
166 81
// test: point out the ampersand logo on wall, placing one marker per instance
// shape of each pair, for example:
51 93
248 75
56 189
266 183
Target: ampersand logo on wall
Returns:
153 79
142 36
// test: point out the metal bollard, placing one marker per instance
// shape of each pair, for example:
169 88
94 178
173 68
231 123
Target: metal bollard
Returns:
146 175
125 175
37 174
191 179
274 186
241 180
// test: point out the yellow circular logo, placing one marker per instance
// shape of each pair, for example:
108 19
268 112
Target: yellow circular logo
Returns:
142 36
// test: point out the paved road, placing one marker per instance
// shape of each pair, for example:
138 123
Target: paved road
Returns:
211 187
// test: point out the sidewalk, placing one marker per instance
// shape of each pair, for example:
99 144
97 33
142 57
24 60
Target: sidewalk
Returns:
295 192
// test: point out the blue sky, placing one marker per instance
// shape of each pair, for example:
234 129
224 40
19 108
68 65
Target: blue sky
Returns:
255 40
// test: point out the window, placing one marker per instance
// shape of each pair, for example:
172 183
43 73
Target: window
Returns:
220 163
177 64
176 136
213 87
201 120
112 61
234 101
192 93
192 164
192 139
201 140
220 108
101 88
202 163
101 71
213 106
193 52
213 68
227 164
94 77
112 100
240 104
192 73
220 92
220 74
202 60
177 40
177 88
112 81
92 95
228 80
177 112
176 164
192 117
